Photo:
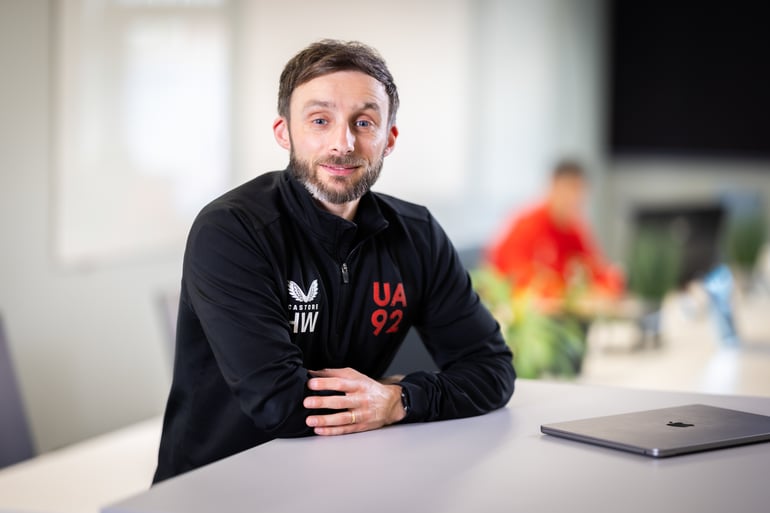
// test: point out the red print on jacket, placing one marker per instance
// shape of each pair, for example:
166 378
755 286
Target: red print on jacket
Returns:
391 300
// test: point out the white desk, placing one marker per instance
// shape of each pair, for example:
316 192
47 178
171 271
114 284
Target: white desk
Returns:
83 477
495 463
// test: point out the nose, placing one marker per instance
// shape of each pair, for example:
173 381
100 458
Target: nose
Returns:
343 140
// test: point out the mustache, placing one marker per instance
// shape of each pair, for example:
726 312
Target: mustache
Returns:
346 160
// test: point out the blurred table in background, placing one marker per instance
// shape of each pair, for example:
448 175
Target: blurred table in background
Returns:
690 356
83 477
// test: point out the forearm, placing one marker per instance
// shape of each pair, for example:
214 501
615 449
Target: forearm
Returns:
462 390
464 340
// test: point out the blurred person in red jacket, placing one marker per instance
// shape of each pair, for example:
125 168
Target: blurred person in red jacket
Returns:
548 250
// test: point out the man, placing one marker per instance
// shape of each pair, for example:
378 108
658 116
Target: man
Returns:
299 286
548 248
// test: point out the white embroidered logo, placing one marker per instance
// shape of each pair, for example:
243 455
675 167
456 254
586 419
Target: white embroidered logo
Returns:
305 313
298 294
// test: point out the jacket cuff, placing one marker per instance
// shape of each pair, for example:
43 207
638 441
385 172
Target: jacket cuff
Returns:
417 400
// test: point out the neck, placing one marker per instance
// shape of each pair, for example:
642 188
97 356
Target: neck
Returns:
346 211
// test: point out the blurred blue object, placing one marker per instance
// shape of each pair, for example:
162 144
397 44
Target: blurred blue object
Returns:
719 285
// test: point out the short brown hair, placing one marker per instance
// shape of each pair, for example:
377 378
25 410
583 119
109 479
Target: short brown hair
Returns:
568 168
329 56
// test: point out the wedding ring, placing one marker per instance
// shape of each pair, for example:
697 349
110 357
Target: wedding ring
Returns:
352 417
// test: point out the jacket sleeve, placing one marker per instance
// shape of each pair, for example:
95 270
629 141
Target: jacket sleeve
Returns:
233 292
476 370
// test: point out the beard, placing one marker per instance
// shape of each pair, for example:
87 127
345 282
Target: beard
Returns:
350 188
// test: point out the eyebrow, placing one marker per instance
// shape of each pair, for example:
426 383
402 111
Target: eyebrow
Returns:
328 105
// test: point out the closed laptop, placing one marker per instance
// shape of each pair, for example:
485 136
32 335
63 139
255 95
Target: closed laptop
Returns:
667 431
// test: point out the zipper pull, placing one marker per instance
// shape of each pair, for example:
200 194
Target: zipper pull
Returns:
345 275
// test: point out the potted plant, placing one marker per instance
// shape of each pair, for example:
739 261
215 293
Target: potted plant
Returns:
744 239
543 345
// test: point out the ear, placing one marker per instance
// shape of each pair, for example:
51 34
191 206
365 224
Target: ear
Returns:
392 135
281 132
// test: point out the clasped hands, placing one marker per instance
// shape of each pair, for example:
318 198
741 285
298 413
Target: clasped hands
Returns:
367 403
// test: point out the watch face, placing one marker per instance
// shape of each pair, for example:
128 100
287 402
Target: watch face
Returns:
404 401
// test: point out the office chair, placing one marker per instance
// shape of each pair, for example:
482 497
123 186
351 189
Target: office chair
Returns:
167 303
15 437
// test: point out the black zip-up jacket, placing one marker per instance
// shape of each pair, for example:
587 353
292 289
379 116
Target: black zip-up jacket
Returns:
273 286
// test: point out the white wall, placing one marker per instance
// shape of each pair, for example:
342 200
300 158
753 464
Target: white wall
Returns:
427 47
538 75
87 343
492 92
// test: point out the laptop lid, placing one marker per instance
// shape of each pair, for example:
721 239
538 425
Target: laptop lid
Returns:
667 431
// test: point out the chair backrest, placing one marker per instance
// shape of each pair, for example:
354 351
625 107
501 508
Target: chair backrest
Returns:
15 437
168 306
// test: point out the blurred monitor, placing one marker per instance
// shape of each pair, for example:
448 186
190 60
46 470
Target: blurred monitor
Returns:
689 78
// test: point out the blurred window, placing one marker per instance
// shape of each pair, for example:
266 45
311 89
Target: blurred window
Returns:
142 132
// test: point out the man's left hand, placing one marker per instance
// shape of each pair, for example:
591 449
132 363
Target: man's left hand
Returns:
367 403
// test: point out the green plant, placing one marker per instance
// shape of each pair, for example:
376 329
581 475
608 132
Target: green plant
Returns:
744 240
654 263
542 345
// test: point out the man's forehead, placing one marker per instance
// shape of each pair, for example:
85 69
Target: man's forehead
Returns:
341 88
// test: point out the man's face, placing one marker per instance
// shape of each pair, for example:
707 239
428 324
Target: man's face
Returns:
568 196
338 134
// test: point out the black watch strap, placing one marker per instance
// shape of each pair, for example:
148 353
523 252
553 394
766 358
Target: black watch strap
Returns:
405 401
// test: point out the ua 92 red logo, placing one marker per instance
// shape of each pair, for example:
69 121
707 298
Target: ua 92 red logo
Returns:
391 301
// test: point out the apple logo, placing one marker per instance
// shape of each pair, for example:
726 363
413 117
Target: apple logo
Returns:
679 424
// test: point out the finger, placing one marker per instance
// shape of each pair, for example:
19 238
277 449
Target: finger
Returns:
343 418
338 384
338 430
346 372
331 402
353 426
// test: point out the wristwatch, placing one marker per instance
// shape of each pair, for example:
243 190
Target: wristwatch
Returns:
405 401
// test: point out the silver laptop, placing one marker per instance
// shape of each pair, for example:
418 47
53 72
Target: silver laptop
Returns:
667 431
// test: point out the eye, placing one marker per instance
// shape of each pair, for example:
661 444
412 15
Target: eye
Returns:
318 121
363 123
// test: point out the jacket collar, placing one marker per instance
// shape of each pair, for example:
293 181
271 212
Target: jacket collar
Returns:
338 236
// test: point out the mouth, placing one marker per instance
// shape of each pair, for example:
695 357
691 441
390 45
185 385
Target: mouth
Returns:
339 170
